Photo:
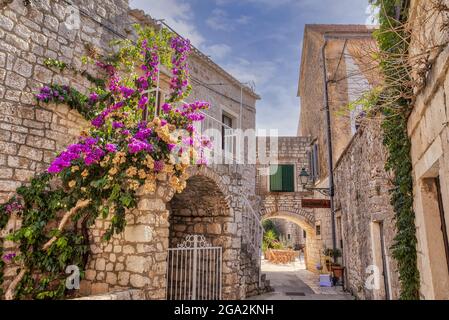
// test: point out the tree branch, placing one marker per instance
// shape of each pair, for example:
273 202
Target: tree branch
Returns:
65 219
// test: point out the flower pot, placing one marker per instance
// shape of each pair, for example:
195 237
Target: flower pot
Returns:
338 271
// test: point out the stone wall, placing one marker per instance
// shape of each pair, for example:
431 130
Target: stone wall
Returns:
428 128
287 205
362 202
31 134
202 209
135 258
280 150
343 60
286 229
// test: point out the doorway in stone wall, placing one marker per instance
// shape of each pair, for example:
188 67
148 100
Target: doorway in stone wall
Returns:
194 270
292 273
202 259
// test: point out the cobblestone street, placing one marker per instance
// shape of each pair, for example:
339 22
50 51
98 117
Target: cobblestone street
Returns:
294 282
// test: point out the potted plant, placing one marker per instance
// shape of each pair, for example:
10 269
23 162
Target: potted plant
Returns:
330 256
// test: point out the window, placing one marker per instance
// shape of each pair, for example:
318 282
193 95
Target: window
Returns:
288 236
227 124
313 162
304 234
318 230
283 178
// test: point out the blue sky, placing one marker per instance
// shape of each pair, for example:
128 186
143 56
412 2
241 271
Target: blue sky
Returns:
257 40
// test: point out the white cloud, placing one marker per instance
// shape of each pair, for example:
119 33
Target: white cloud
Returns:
220 20
267 3
261 72
279 108
218 51
178 14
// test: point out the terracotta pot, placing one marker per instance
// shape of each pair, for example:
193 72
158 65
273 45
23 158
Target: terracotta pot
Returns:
338 271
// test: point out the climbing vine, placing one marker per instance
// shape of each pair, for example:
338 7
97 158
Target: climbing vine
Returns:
132 144
395 104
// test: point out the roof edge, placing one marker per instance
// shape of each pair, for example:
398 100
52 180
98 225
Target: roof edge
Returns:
145 18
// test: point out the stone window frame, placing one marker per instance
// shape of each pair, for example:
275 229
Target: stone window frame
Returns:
225 111
295 174
318 228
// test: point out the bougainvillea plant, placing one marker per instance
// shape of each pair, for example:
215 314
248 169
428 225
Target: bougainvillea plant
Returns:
132 143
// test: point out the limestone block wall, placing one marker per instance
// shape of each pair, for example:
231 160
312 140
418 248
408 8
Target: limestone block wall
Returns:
286 228
202 209
281 150
362 201
428 129
32 134
136 258
287 205
352 67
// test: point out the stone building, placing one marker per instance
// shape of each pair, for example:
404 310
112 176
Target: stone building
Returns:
290 233
429 132
31 135
363 216
281 191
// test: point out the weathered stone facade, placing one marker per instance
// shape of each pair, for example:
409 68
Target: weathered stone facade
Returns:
362 207
137 258
31 135
428 128
364 226
288 205
290 233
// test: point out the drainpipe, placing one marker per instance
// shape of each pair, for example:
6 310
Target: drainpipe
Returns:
329 144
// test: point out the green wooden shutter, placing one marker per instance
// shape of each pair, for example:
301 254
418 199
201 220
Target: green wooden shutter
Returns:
288 179
276 179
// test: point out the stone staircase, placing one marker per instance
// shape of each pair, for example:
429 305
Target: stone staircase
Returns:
252 234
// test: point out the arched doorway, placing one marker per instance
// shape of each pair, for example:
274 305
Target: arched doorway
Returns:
202 213
312 249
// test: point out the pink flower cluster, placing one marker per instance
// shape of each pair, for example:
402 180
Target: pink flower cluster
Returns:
100 119
13 207
151 64
87 149
192 110
180 70
8 257
48 94
137 145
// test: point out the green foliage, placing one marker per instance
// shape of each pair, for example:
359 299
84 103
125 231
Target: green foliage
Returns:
103 170
3 221
331 253
56 64
76 100
41 206
392 39
271 237
61 66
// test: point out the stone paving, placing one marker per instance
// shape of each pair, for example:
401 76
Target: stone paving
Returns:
293 282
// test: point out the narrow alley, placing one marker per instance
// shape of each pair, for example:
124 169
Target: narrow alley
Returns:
293 282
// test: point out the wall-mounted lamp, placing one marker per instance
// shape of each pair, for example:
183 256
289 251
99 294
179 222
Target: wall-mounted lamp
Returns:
304 177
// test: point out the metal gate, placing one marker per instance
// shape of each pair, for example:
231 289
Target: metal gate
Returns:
194 270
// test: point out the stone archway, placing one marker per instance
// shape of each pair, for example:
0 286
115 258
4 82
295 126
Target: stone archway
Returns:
304 221
203 209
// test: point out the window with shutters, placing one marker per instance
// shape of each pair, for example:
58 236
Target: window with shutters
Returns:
313 162
283 178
